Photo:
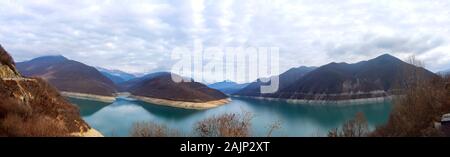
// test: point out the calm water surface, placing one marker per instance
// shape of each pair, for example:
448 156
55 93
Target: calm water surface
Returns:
117 118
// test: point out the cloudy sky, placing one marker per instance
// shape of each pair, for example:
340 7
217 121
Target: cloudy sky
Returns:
138 35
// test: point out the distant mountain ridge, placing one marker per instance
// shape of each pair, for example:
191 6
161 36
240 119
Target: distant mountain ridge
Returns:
377 77
68 75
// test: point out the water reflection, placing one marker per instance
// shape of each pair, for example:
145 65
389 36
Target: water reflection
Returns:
297 120
88 107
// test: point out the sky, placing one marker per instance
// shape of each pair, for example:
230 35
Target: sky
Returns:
137 36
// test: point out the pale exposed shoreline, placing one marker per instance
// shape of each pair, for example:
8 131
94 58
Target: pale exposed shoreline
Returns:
325 102
107 99
183 104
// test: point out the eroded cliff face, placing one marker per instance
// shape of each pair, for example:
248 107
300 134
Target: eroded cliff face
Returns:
31 107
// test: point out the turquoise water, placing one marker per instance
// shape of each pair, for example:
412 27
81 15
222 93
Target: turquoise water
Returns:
117 118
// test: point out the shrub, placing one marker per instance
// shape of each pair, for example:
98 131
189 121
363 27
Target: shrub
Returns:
17 126
226 125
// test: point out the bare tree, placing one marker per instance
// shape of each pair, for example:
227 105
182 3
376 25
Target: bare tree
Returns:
356 127
151 129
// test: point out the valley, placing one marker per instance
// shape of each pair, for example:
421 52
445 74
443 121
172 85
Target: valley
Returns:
310 101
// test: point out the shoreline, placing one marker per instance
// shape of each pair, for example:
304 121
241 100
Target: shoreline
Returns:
217 103
156 101
183 104
324 102
106 99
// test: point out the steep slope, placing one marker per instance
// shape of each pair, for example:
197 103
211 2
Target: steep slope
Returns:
159 88
68 75
228 87
286 79
31 107
378 77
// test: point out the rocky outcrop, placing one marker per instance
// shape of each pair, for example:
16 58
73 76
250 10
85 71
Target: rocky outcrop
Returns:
228 87
31 107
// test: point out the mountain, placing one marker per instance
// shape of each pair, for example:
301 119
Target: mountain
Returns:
68 75
161 86
8 68
286 79
31 107
378 77
116 76
125 86
228 87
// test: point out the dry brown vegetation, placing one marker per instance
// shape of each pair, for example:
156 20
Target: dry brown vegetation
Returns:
225 125
34 108
357 127
415 113
31 107
151 129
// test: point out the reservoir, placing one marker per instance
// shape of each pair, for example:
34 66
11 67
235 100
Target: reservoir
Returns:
297 120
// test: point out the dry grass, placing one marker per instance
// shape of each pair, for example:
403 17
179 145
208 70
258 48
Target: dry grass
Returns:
225 125
423 103
272 127
34 108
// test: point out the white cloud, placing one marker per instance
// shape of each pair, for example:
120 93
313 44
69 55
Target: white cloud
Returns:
138 35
